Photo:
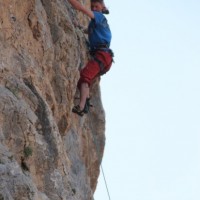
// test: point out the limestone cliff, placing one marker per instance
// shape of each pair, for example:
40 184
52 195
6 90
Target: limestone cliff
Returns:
46 151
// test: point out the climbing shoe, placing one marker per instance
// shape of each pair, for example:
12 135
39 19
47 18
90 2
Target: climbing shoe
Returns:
87 106
86 109
77 110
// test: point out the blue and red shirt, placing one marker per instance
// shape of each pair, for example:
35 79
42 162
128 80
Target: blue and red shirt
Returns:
99 31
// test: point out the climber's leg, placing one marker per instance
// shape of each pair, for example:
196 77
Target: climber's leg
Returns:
84 94
87 75
84 104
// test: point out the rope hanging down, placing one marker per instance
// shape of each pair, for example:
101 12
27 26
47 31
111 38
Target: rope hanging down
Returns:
99 158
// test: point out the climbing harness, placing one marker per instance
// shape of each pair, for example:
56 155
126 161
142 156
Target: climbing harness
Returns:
104 48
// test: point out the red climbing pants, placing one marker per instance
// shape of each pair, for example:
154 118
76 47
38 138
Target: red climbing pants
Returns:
93 68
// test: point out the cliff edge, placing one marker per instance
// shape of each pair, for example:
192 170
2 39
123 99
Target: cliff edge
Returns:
46 151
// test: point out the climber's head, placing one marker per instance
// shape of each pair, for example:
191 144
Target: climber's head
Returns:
99 6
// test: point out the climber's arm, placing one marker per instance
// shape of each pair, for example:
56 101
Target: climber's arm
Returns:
81 8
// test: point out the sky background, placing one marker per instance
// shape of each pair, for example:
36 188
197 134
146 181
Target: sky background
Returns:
151 98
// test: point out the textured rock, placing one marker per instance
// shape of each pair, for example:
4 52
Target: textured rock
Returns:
46 151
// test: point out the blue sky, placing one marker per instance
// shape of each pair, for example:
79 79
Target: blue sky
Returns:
152 101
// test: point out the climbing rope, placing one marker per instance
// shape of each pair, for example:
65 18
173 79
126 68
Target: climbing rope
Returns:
99 158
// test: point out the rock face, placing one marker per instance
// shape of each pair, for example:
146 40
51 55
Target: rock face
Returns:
46 151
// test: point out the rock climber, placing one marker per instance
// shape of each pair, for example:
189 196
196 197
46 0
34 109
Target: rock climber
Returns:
99 36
